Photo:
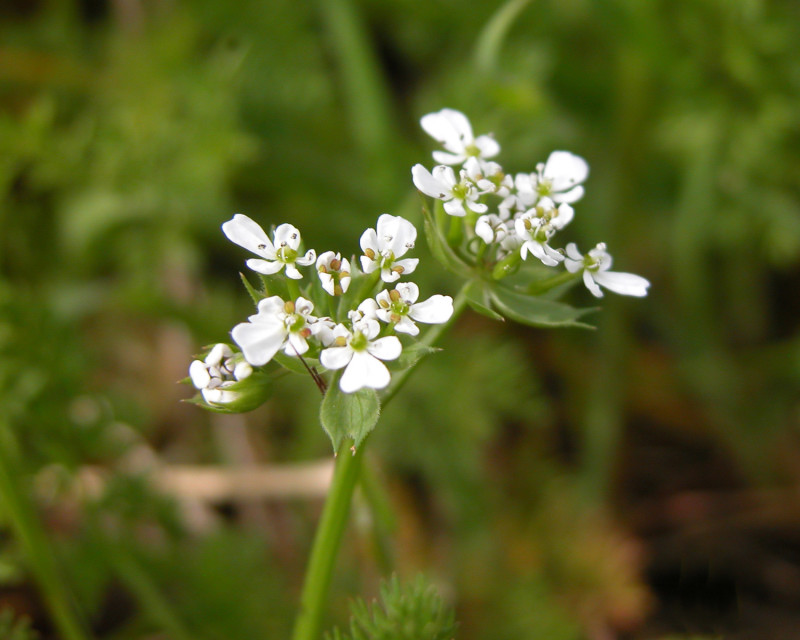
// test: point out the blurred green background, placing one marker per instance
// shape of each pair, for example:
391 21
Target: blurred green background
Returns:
638 481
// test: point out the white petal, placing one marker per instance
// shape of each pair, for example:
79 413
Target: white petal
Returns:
445 176
626 284
327 281
367 265
573 195
369 308
296 345
287 235
449 127
218 353
335 357
264 266
591 285
435 310
409 292
408 264
293 273
564 216
484 229
307 259
387 348
247 233
455 208
425 182
476 207
364 371
369 240
572 252
565 169
268 309
406 326
260 341
404 237
388 275
242 371
443 157
199 374
488 146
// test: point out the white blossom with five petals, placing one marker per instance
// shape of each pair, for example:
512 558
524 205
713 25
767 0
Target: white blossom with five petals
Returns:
458 195
277 325
382 247
595 266
361 355
276 254
453 131
399 307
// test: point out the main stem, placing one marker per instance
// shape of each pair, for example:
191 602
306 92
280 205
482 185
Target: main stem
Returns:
337 508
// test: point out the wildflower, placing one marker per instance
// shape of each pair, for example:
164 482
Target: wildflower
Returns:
457 195
547 213
334 272
453 131
361 354
491 228
382 248
279 253
535 234
400 307
220 369
596 265
559 178
277 324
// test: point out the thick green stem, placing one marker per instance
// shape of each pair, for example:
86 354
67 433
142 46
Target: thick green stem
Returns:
28 530
337 507
326 543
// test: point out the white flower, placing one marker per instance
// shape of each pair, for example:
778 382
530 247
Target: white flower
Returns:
457 195
220 369
535 233
491 228
361 354
453 131
596 265
489 177
382 248
547 213
277 324
334 272
279 253
560 177
400 307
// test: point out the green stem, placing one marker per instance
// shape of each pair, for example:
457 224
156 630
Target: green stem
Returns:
34 541
337 507
326 543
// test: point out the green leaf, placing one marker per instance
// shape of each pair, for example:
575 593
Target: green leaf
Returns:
536 312
412 354
439 247
348 415
478 298
294 364
254 293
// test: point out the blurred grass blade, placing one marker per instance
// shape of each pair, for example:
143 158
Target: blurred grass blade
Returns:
490 40
33 540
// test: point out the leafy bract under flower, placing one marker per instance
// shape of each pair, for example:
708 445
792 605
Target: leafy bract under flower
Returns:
276 254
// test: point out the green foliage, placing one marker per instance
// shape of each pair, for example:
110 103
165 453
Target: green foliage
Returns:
15 628
348 415
413 611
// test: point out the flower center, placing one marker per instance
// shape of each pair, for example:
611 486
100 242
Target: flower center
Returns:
545 187
287 255
358 342
472 150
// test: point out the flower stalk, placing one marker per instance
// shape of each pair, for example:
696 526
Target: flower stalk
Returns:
327 540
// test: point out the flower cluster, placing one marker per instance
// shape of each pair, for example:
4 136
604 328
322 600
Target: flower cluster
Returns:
358 334
511 218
